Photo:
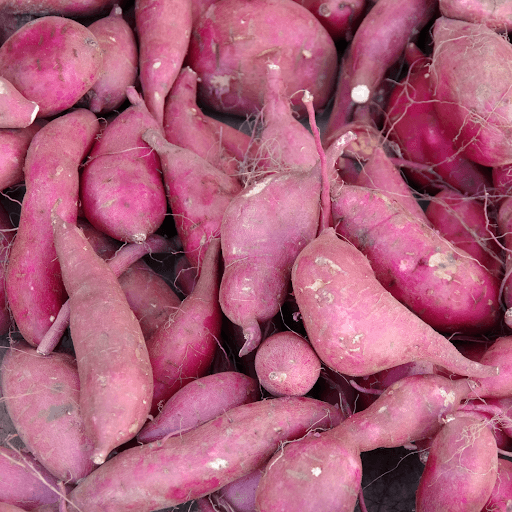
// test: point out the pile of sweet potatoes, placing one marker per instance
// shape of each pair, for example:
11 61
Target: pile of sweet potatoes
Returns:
305 295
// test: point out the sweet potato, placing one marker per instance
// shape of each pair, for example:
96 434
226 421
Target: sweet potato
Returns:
33 283
425 267
13 149
413 123
15 110
233 40
286 364
395 23
25 482
120 62
475 114
6 236
161 56
464 222
121 186
53 61
355 326
182 349
197 193
183 116
316 474
223 450
200 401
111 355
76 8
41 395
495 15
500 498
505 229
461 468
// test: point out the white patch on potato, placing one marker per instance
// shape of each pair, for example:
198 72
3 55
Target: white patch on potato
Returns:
59 170
316 471
277 376
3 89
52 318
113 39
34 113
157 64
384 408
258 187
445 265
307 54
157 96
322 261
218 464
317 285
449 398
221 83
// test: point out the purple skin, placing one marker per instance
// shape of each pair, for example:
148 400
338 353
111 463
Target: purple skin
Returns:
28 60
204 459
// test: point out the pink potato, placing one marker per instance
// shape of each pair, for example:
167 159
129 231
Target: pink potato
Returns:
357 327
15 110
121 187
231 45
340 19
13 149
7 232
53 61
464 221
222 450
200 401
110 349
120 62
183 348
240 495
286 364
183 116
33 282
286 143
68 8
497 15
446 287
501 495
25 482
413 124
461 468
316 474
161 56
41 395
505 229
197 192
474 113
395 22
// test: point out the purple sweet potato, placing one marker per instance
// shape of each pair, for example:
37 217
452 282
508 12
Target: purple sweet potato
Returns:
240 495
233 41
200 401
182 349
442 284
461 468
15 110
474 113
161 56
6 236
289 144
223 450
464 222
13 149
121 186
41 395
182 116
286 364
53 61
120 62
25 482
497 15
197 192
340 19
501 495
395 22
413 123
68 8
111 354
355 326
316 474
33 283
